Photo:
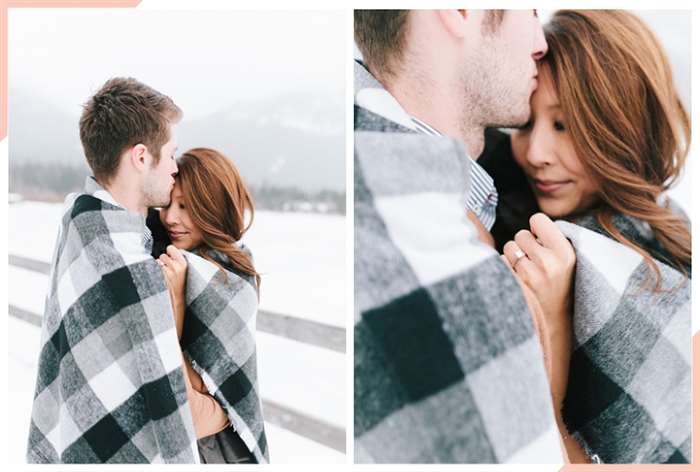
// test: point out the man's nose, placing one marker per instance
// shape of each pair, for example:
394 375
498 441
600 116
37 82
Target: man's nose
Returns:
540 45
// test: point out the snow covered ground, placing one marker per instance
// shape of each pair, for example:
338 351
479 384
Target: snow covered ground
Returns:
302 259
301 256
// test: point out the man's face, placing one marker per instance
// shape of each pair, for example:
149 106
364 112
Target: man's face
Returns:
501 76
159 178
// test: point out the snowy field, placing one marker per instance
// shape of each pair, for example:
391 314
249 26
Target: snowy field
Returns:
302 261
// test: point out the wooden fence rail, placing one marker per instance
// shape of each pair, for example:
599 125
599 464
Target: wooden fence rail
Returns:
290 327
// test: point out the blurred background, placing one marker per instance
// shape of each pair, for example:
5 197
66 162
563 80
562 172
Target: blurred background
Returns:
265 88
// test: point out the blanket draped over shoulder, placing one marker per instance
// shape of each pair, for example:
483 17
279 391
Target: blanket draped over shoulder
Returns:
628 398
219 339
110 385
448 367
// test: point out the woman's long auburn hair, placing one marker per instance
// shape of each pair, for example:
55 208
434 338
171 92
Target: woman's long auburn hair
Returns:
217 200
625 118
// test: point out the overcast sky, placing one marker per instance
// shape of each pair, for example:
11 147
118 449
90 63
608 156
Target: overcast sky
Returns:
203 60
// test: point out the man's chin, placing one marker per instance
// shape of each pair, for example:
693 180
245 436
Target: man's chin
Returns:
513 121
159 203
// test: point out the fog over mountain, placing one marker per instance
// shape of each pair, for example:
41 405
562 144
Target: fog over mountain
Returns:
290 140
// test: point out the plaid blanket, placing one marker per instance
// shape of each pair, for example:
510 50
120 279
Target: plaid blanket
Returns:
218 337
110 386
628 399
448 367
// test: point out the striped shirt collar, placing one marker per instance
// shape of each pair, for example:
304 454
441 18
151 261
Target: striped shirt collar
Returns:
92 187
425 127
482 197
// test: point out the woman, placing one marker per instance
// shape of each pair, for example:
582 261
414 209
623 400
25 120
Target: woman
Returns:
206 216
607 137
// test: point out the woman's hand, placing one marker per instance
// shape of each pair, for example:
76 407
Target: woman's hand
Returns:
195 380
538 320
544 260
174 267
208 417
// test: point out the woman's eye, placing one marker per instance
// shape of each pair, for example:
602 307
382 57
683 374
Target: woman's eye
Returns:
559 126
182 207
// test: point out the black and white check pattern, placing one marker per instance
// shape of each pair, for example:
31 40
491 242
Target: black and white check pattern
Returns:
481 196
110 386
219 338
628 399
447 364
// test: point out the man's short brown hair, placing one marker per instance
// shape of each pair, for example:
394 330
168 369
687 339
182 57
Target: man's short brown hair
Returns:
123 113
380 36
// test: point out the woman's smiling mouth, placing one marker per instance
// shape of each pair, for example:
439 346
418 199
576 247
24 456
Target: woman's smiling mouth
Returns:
549 186
176 234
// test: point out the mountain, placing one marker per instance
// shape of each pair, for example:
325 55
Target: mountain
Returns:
293 140
41 131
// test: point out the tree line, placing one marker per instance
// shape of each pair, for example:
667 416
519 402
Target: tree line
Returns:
47 181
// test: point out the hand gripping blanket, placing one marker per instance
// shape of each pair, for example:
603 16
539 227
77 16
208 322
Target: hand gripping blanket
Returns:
448 368
110 386
628 398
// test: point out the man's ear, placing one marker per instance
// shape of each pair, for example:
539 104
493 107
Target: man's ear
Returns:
139 158
455 21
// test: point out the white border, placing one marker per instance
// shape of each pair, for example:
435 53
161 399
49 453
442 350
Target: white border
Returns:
347 6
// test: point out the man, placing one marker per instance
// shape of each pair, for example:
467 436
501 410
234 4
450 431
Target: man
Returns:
128 134
111 385
448 367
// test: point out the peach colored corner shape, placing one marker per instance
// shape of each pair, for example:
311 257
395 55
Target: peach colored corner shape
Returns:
656 467
5 4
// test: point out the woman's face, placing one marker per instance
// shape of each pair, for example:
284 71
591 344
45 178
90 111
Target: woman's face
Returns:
545 151
176 219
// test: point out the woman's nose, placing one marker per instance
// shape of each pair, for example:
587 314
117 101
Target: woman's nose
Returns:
171 217
539 152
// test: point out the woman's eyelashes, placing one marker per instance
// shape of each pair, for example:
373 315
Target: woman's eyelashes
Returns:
526 126
558 125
